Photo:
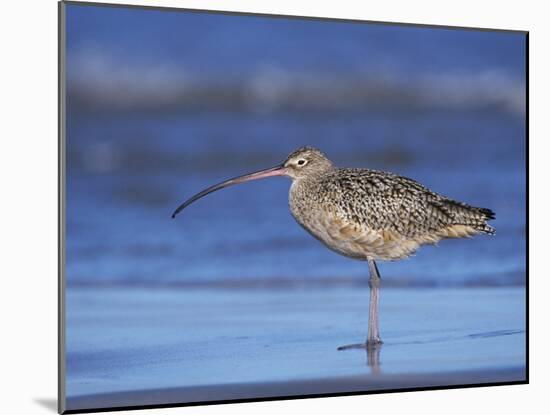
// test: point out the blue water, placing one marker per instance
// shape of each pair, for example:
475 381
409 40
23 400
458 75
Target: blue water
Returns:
118 210
236 46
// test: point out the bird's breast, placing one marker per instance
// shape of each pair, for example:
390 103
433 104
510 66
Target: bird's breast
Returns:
324 220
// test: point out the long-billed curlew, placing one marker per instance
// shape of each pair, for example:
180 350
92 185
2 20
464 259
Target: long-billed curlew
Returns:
366 214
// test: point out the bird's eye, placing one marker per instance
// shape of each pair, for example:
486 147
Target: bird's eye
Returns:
301 162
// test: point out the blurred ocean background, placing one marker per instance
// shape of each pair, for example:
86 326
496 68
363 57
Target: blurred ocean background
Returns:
161 104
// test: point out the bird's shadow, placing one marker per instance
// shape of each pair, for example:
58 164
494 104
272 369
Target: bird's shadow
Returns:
48 403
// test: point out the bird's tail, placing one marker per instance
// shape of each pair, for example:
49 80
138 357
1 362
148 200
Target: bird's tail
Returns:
487 214
474 217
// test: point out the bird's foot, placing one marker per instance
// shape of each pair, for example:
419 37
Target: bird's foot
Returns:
375 341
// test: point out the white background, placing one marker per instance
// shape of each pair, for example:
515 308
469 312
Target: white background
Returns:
28 192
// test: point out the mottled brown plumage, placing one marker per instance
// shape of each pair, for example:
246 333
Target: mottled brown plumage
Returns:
366 214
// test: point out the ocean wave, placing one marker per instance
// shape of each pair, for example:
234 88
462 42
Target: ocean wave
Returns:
97 83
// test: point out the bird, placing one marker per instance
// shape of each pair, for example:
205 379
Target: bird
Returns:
366 214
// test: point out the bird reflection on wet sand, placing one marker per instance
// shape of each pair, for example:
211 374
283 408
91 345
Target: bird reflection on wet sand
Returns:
373 355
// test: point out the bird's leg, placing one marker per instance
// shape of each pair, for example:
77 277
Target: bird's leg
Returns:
373 336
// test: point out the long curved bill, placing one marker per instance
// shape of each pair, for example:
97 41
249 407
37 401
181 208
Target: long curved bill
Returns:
273 171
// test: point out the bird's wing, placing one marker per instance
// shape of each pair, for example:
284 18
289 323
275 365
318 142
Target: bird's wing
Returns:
391 206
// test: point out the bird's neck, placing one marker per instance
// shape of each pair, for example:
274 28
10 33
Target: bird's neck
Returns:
306 183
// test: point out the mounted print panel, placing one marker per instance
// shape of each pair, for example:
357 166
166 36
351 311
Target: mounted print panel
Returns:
258 207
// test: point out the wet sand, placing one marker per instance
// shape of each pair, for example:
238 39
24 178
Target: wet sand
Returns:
130 346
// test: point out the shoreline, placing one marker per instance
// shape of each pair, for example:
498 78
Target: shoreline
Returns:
291 284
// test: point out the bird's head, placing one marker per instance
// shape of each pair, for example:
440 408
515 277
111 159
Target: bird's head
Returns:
303 162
